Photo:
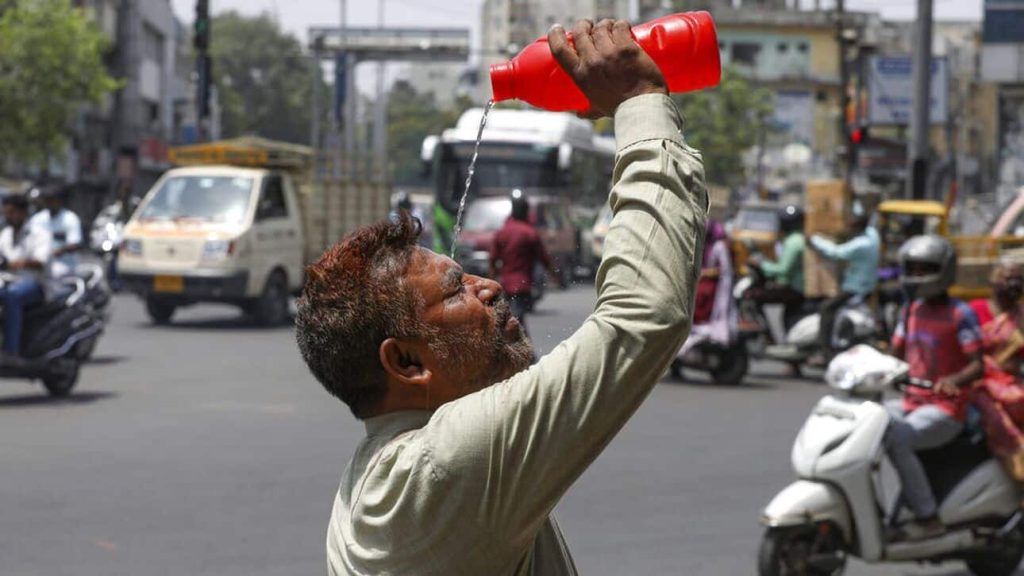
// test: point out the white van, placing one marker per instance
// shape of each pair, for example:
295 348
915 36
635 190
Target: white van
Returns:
216 234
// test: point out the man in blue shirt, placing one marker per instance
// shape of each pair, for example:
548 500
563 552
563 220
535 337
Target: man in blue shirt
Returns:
860 254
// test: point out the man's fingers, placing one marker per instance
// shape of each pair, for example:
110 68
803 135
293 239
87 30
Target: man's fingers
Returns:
622 34
562 50
584 42
602 35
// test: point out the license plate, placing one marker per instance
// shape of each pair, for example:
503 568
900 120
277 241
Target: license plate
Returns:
175 284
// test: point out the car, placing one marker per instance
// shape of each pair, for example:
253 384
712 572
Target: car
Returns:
549 214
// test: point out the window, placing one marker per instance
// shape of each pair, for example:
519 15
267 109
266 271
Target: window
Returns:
782 47
802 47
272 203
152 44
745 53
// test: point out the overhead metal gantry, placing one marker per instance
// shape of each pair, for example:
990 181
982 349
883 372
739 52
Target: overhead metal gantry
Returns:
352 46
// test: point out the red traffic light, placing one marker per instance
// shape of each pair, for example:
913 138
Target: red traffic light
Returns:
858 135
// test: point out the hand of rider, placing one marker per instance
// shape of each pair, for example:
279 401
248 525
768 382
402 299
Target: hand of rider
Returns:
606 63
946 386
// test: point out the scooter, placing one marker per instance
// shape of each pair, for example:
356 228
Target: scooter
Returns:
836 508
51 334
854 324
726 363
96 300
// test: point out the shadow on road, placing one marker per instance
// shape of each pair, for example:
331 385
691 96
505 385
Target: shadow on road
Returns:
240 323
41 399
106 360
704 382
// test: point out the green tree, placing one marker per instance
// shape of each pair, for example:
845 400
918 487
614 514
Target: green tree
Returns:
51 63
411 118
725 122
262 78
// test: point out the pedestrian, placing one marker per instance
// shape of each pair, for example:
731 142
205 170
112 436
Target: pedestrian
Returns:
64 227
24 253
515 253
940 339
860 254
467 453
999 396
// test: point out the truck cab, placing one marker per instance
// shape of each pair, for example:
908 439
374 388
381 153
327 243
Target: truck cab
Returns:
216 233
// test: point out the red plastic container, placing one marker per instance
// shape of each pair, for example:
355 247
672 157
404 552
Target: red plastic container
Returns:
684 46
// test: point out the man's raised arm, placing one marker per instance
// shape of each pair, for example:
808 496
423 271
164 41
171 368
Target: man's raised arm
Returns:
512 450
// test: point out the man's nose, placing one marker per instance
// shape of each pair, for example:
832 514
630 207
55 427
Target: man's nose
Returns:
485 288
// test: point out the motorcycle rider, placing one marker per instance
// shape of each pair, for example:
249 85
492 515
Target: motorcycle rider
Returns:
786 275
24 252
940 339
64 227
861 254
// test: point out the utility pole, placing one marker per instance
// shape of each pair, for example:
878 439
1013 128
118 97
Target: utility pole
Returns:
917 153
201 43
843 149
380 131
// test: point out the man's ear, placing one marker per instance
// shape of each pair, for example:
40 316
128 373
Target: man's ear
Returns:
403 361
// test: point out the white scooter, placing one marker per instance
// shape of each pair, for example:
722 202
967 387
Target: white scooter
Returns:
836 508
854 324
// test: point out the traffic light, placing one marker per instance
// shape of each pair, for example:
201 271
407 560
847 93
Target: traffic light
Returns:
201 35
858 135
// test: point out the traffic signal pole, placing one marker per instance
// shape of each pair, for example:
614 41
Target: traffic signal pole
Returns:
204 65
920 119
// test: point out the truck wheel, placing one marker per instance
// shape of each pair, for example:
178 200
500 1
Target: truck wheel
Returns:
62 378
160 312
271 308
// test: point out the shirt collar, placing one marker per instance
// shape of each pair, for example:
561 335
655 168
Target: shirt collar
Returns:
392 423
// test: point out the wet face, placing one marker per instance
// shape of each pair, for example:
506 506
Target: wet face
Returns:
473 339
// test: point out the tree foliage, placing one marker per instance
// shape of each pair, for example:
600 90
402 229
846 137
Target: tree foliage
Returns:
51 63
725 122
262 78
412 116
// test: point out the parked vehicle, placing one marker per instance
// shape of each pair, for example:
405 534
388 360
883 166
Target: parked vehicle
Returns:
836 508
53 333
549 214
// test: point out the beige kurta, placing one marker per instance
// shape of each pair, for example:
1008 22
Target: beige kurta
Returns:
468 489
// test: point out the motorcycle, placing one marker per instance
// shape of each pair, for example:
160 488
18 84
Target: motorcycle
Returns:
726 363
854 324
96 300
106 236
836 508
51 336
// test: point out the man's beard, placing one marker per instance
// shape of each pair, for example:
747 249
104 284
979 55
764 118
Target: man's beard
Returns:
505 353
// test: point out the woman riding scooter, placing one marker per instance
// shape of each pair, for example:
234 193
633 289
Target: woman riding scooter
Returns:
713 344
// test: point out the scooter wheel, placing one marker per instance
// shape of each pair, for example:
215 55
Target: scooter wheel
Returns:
800 550
732 366
1003 560
63 378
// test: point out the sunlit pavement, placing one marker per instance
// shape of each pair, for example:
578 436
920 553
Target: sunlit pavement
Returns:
205 448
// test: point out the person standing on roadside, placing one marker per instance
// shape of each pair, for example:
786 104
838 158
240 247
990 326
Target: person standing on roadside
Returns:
515 253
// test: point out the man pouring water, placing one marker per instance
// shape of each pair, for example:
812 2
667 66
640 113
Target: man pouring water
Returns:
467 451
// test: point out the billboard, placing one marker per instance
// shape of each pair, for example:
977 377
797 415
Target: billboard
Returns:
890 90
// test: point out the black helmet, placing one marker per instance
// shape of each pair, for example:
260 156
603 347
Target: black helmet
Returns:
791 219
520 206
927 265
403 201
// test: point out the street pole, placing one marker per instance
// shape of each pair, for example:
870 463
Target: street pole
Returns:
380 131
917 152
314 129
844 95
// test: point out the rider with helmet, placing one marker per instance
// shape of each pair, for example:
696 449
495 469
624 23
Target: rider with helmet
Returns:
786 275
860 254
940 339
402 204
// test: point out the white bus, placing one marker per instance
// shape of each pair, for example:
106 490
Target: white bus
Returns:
544 153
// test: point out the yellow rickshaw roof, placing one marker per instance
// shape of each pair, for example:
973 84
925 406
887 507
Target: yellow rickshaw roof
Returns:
913 207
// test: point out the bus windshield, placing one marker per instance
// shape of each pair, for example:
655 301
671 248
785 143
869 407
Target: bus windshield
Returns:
220 199
499 169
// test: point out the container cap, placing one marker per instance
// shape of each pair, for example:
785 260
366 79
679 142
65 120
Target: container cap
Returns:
503 81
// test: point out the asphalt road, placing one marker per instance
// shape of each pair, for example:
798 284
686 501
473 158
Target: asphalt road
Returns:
205 448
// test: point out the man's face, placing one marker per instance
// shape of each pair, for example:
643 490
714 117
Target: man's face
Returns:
472 336
52 203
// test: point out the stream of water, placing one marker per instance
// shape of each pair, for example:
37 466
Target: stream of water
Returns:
469 178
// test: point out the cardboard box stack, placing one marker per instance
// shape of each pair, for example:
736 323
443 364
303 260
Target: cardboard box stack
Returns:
828 205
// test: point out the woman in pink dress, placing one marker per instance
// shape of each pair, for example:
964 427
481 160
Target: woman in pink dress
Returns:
999 396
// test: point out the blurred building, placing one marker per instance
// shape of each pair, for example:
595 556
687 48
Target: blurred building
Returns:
1002 69
445 81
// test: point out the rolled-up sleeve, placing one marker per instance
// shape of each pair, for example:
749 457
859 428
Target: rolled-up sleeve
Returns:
512 450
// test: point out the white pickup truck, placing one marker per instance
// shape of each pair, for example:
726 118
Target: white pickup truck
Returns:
227 228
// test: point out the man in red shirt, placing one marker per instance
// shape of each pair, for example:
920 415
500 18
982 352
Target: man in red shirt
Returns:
940 338
516 250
